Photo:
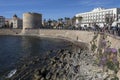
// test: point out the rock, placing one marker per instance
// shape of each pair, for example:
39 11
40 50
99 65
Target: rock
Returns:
48 76
67 64
37 77
118 74
110 72
54 76
42 78
24 66
42 70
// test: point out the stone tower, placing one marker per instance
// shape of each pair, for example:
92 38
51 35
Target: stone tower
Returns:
32 20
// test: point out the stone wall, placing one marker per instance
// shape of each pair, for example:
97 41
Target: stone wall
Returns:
82 36
115 41
10 31
71 35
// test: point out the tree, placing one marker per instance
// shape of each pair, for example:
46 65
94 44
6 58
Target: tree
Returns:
60 22
74 20
49 22
109 19
54 23
67 22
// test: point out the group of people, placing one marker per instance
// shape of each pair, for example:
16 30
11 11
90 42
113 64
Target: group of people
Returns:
112 30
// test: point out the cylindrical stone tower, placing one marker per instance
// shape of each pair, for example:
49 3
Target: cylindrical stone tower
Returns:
32 20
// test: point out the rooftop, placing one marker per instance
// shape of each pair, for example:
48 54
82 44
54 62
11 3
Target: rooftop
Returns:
98 9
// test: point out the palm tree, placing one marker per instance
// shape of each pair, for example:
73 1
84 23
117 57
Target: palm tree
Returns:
49 23
54 23
73 20
109 20
60 22
67 22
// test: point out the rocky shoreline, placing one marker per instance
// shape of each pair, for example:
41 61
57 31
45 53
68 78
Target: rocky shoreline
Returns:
72 63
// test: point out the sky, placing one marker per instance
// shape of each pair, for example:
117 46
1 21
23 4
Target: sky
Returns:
53 9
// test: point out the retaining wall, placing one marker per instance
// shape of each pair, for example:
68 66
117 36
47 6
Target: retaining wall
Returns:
72 35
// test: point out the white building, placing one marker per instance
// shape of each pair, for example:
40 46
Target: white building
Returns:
118 20
2 21
97 17
16 22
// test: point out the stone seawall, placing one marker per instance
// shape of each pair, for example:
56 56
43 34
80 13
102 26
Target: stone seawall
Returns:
115 41
10 31
87 71
81 36
71 35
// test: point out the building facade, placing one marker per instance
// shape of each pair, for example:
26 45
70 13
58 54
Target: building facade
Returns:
16 22
2 21
119 20
32 20
97 17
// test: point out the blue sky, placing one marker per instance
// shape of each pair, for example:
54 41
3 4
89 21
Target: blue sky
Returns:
53 9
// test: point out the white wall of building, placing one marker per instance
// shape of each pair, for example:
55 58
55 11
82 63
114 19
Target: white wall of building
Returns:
97 16
17 23
2 21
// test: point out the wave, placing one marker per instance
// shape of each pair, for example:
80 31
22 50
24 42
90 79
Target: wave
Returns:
11 73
